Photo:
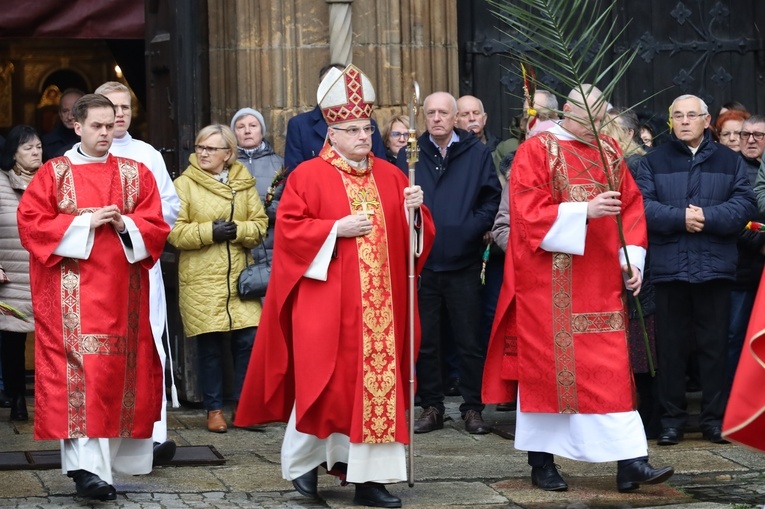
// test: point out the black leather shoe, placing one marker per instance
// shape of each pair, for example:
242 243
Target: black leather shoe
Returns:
631 476
89 485
430 420
452 387
163 453
714 435
506 407
670 436
548 478
307 484
112 495
19 409
5 401
474 423
373 494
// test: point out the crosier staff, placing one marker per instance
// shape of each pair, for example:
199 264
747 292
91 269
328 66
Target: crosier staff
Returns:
415 249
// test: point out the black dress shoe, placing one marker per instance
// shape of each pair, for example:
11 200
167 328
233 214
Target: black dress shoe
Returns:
631 476
5 401
307 484
112 495
430 420
89 485
714 435
506 407
373 494
670 436
19 409
163 453
474 423
548 478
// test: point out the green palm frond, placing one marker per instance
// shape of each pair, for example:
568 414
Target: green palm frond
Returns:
575 41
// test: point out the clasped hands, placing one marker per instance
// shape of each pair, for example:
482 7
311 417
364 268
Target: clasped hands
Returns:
356 225
223 230
694 219
109 214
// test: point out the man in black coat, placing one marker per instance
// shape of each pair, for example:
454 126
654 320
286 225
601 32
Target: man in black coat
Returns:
62 137
462 191
697 199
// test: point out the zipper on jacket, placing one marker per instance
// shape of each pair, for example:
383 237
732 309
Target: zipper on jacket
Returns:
228 272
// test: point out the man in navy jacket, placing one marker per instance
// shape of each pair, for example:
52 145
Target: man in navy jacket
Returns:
307 131
462 191
697 198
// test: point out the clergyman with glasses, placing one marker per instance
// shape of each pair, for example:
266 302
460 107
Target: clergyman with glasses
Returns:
697 199
331 356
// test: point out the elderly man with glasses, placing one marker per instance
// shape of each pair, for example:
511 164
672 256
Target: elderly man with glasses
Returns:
697 199
330 355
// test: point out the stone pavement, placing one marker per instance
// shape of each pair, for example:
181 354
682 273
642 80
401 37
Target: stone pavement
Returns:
453 469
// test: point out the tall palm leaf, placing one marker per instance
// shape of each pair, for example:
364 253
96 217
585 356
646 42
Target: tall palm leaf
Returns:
575 42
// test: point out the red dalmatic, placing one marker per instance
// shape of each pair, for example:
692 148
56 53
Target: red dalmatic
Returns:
336 349
97 373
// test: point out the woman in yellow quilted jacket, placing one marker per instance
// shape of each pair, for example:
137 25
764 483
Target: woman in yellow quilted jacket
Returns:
220 221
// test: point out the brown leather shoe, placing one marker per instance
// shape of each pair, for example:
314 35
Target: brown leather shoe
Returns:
215 421
475 424
430 420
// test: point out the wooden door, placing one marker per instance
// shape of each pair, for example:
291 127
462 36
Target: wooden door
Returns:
178 105
709 48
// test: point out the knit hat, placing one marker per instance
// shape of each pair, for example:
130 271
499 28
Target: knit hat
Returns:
249 111
345 95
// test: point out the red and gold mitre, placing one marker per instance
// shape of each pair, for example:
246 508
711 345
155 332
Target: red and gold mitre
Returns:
345 95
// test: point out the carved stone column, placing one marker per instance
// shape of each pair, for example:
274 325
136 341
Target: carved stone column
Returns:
340 31
267 54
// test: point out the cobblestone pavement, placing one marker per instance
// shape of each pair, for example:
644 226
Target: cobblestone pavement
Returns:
453 469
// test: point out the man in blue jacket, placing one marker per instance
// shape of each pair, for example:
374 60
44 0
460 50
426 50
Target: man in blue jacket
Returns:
697 198
307 131
462 191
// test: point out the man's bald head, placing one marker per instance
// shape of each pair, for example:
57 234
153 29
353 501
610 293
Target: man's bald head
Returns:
584 107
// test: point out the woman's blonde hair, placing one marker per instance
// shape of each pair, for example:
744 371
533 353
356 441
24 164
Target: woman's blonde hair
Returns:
228 136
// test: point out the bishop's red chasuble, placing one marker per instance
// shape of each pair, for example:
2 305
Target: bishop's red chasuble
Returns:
560 325
97 373
337 349
744 420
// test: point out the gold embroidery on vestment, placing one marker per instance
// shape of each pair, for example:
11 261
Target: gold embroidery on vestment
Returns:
565 322
77 344
378 323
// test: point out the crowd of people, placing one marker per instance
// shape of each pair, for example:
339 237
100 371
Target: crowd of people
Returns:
554 271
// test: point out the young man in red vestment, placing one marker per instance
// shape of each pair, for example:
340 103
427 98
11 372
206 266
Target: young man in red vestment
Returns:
93 225
330 357
564 352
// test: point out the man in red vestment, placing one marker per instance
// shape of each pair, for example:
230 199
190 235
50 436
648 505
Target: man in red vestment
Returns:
93 226
330 356
562 339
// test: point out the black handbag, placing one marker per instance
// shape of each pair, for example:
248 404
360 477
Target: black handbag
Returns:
253 280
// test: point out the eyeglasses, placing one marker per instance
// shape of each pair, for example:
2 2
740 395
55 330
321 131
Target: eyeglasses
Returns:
691 116
396 134
355 131
730 134
210 150
758 136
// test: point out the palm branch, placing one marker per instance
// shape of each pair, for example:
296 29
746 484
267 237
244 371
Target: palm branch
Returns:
5 309
575 42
